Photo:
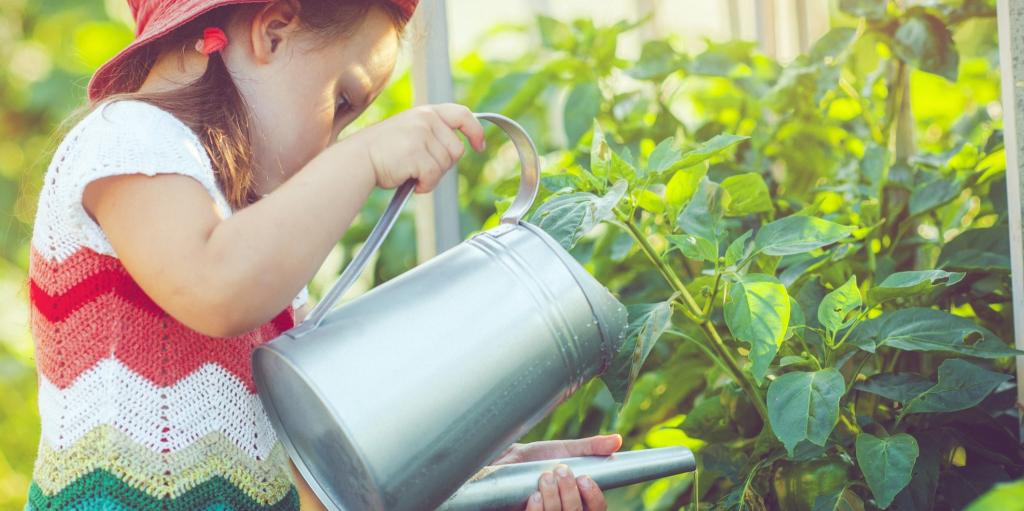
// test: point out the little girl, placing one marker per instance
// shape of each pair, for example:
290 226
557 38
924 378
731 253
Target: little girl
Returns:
180 218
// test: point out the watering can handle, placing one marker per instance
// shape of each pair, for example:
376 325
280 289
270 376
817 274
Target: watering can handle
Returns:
528 186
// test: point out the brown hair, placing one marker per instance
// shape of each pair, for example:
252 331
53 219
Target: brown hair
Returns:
212 106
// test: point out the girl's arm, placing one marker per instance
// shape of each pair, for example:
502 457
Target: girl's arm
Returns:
224 277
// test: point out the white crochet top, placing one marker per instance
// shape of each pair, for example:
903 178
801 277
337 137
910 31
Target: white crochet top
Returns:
136 409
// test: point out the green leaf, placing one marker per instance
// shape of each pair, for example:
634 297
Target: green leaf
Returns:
805 406
649 200
745 194
708 149
757 312
738 249
886 463
871 9
657 60
1002 496
921 329
910 283
683 184
838 304
833 44
797 234
605 163
926 43
874 165
503 90
797 321
620 168
900 387
555 34
600 153
920 493
567 218
985 249
721 59
647 322
556 182
664 155
845 500
709 421
961 385
581 107
703 214
934 192
695 247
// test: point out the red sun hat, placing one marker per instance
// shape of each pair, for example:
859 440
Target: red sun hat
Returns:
156 18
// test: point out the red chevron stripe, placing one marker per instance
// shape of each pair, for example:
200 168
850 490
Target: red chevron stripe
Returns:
56 277
161 349
88 307
59 307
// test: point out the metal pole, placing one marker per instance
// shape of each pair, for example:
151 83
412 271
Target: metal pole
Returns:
651 29
733 7
764 10
802 26
1010 16
437 213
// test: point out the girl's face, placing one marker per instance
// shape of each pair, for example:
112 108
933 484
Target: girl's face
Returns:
302 91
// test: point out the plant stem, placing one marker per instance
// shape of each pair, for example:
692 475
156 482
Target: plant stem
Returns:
865 107
717 344
714 292
860 317
853 377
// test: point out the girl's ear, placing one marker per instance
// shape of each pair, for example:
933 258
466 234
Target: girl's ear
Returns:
272 26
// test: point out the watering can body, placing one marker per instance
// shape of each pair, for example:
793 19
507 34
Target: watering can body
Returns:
394 399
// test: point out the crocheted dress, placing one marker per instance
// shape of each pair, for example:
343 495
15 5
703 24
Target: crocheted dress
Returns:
137 410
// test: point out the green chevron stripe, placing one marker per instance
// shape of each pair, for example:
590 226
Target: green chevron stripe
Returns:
100 489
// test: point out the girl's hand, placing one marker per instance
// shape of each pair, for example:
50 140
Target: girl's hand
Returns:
419 143
555 491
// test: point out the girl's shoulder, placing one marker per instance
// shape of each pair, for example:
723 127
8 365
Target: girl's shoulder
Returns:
139 135
125 136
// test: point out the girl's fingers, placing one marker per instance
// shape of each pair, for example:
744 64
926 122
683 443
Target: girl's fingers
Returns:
449 140
569 493
549 492
593 497
430 174
535 502
460 117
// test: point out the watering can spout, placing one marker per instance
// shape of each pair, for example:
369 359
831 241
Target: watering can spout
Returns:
506 487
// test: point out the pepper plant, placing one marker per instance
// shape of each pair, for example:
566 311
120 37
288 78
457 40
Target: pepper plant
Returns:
819 287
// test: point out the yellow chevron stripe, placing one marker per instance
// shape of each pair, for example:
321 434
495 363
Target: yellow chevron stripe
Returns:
265 481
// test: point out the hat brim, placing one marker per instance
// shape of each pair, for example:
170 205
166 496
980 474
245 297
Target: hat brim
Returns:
111 77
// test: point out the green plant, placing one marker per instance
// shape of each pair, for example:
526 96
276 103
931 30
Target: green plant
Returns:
840 268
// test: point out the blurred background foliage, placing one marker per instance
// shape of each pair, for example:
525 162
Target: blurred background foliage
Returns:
48 50
51 48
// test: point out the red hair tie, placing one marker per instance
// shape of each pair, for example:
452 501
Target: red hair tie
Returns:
214 39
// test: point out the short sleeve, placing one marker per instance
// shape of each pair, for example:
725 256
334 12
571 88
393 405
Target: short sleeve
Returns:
301 298
119 137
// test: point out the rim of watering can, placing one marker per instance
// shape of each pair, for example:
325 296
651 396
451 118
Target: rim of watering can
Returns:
585 281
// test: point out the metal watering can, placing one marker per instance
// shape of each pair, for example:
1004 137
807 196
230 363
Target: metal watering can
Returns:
395 399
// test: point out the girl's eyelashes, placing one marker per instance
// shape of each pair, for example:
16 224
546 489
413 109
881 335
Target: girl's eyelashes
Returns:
342 104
